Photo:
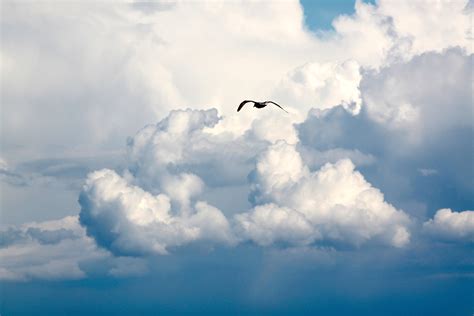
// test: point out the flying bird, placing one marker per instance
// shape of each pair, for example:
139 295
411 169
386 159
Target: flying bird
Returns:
258 105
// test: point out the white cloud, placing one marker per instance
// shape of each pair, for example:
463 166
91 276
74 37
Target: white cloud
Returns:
130 221
84 76
450 225
400 31
192 141
430 26
322 85
182 188
279 168
270 223
336 200
155 205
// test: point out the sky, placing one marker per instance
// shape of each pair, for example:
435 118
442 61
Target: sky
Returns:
129 184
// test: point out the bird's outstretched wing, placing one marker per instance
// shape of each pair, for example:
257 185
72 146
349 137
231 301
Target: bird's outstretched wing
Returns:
276 105
241 105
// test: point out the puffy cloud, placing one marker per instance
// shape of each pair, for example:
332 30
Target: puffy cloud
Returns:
402 31
278 168
185 141
182 188
272 127
203 143
155 205
172 134
269 223
130 221
426 23
427 95
336 201
323 85
404 147
449 225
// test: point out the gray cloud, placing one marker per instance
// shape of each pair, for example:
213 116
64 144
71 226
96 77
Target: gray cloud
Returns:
59 249
432 134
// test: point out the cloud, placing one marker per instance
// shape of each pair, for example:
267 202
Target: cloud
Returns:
46 250
380 119
87 104
390 145
322 85
336 202
10 176
130 221
156 204
59 250
155 63
451 226
317 158
417 96
426 23
269 223
185 141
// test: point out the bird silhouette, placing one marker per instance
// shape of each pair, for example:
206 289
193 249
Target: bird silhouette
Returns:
258 105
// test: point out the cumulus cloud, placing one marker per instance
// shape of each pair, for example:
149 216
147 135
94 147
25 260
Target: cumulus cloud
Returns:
417 96
270 223
397 150
322 85
130 221
450 225
156 204
185 140
335 201
420 22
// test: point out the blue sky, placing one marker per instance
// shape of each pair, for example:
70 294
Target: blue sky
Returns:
129 184
320 14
